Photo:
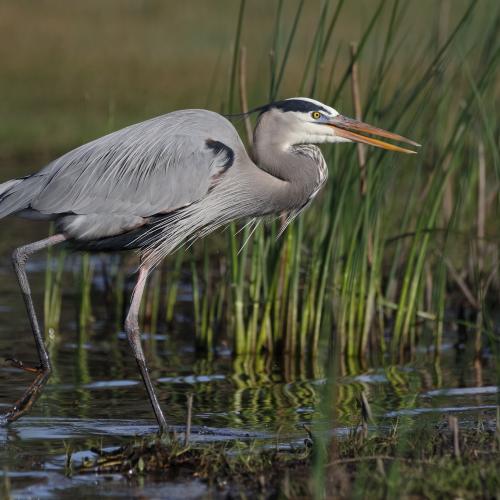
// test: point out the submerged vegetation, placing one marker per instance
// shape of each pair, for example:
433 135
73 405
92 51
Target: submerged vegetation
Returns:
406 461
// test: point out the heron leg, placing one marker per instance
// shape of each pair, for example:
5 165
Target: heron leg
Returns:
133 334
19 259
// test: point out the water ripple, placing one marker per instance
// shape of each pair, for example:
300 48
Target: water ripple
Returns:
464 391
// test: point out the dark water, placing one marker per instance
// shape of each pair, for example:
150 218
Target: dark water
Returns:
95 396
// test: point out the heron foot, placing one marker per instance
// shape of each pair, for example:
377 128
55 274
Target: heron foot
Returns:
25 402
15 363
164 432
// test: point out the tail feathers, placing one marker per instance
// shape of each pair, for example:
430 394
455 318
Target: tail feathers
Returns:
17 194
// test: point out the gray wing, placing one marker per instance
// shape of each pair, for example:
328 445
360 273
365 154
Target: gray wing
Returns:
115 183
153 167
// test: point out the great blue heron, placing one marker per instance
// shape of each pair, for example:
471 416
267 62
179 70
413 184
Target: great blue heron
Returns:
156 184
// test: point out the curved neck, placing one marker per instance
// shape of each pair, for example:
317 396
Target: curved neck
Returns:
302 167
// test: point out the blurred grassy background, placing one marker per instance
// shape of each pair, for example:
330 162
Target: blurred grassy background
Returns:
72 71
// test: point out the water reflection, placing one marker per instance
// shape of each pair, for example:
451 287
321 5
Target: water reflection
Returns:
96 393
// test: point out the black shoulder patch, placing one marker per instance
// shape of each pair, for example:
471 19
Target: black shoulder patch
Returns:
218 148
298 105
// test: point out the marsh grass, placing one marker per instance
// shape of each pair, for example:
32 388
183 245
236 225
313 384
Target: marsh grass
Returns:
393 242
393 245
393 253
224 467
438 461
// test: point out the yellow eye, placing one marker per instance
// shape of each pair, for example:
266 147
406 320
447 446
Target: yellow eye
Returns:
316 115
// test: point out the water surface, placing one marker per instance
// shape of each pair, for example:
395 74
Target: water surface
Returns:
95 396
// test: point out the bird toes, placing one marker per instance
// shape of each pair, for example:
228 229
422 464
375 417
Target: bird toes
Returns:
15 363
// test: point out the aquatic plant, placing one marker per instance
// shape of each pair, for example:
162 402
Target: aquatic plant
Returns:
394 246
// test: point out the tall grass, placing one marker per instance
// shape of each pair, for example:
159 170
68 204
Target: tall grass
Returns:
393 249
393 244
378 248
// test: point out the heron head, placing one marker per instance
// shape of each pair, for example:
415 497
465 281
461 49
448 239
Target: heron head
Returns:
300 120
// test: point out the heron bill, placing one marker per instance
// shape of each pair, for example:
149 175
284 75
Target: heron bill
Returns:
348 128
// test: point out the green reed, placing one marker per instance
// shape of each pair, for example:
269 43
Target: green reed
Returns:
393 244
351 251
53 291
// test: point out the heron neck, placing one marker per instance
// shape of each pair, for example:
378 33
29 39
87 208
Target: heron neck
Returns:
301 167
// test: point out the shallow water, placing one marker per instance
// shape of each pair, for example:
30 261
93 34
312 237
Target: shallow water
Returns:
95 396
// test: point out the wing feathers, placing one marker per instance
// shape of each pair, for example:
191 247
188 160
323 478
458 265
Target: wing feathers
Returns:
149 168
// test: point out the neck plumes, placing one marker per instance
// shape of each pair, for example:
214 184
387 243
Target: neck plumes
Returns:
301 168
